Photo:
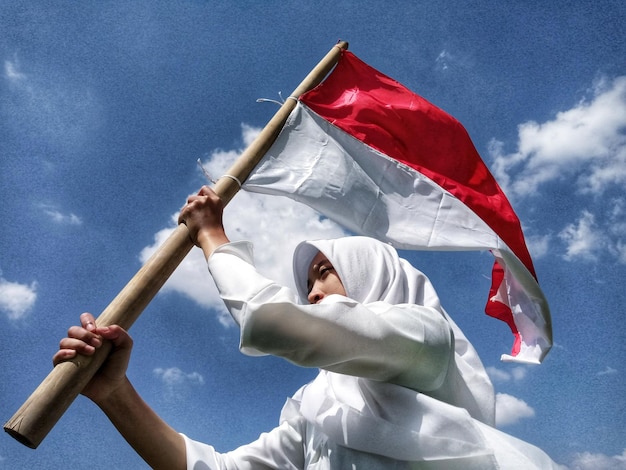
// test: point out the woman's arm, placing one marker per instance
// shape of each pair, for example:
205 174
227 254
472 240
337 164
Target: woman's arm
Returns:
153 439
411 349
406 345
156 442
409 345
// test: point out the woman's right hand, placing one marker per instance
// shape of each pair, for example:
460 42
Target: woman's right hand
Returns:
203 217
84 340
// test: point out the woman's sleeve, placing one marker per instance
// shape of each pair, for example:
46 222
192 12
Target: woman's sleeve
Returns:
405 344
281 448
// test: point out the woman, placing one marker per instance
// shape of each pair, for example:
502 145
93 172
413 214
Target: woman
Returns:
399 385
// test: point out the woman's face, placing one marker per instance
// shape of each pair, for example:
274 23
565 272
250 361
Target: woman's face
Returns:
323 280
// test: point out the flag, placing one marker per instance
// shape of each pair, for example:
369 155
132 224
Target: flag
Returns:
368 153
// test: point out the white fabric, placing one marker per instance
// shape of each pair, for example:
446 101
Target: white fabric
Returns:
318 164
396 388
372 271
369 193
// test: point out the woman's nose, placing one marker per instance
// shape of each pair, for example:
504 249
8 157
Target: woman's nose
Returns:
315 295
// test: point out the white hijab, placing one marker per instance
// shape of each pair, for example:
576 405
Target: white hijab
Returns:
372 271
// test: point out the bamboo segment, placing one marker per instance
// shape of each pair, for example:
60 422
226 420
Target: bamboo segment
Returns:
45 406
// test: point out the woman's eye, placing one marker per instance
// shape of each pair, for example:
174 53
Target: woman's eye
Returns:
325 270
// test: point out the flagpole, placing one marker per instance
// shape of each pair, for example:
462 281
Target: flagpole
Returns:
45 406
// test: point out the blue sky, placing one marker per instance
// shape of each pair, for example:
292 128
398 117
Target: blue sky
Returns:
106 106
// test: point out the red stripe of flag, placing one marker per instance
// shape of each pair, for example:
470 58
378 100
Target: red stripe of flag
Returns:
389 117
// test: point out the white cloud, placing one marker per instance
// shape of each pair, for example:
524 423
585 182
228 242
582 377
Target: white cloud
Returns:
519 373
584 239
61 218
173 377
443 60
607 371
509 410
275 225
498 375
584 147
12 72
248 134
587 238
585 144
16 300
191 277
515 374
538 245
46 104
589 461
617 228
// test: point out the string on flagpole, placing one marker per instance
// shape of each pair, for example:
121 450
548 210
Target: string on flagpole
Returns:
210 178
279 103
234 178
206 173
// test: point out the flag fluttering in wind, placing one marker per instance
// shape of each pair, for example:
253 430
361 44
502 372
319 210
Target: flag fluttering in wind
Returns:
378 159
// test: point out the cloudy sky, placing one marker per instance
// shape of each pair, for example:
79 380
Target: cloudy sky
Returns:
106 106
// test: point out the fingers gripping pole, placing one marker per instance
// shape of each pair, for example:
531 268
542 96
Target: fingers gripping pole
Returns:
40 412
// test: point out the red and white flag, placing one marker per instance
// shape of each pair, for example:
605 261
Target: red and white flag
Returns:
378 159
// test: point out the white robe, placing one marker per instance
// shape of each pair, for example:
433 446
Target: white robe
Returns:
399 387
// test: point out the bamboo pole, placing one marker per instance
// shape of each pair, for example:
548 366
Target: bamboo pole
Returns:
40 412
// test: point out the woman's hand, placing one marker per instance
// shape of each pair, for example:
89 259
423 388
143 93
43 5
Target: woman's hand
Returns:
157 443
203 217
85 339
